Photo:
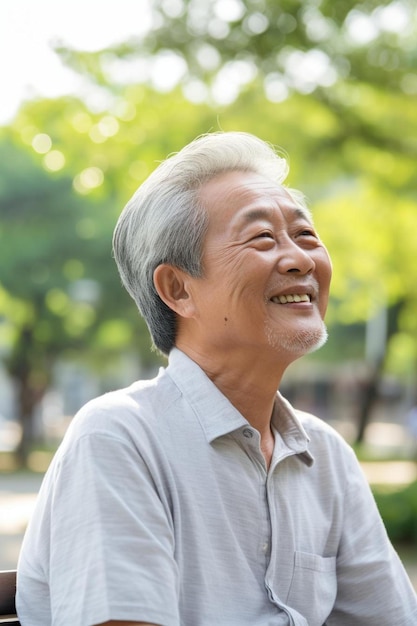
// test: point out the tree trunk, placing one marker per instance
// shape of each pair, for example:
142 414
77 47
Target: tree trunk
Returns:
368 398
28 399
385 325
30 379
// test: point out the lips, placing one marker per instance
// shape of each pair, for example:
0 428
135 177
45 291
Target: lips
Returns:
305 292
290 298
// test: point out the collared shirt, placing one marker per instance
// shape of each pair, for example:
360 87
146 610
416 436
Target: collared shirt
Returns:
158 507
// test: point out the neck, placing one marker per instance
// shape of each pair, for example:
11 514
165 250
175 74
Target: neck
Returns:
249 381
254 398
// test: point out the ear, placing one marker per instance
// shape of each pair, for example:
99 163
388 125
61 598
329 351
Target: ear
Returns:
171 283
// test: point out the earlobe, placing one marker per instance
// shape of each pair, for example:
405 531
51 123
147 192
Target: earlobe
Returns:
171 284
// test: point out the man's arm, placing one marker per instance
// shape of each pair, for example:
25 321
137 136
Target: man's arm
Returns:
372 584
94 564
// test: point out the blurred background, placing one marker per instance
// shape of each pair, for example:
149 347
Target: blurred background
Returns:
94 94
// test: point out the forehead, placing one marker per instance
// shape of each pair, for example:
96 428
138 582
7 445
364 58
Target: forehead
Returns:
239 197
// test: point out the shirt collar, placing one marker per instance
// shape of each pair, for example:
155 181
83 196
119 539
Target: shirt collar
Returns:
218 417
287 423
215 413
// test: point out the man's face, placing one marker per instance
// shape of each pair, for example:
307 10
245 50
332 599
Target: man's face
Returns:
266 273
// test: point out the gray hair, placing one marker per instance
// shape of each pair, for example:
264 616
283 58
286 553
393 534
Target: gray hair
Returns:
165 222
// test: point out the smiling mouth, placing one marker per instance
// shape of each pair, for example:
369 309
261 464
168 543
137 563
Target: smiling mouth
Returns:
289 298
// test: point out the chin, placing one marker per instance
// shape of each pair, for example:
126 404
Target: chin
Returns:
300 342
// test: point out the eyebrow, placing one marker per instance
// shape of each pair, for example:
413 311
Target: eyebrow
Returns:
265 214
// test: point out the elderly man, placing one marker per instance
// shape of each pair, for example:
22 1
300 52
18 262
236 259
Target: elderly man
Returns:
201 497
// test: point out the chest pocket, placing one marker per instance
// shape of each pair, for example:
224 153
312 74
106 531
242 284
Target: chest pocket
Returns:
313 587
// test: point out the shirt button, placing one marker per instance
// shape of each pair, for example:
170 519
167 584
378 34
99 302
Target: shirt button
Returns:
248 433
265 547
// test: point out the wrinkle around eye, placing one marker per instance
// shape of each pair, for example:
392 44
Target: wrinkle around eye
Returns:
308 242
265 234
264 241
307 234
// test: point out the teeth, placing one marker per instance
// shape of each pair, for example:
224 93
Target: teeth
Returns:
296 297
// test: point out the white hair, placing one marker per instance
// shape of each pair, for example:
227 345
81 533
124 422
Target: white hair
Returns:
165 221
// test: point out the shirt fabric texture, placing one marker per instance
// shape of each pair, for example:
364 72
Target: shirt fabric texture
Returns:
158 507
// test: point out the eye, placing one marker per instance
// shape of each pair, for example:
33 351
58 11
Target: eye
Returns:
307 237
264 235
264 239
307 232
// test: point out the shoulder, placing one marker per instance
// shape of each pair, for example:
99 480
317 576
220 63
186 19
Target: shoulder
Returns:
324 439
314 424
125 413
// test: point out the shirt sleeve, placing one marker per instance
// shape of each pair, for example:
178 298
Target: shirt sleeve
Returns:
112 546
373 587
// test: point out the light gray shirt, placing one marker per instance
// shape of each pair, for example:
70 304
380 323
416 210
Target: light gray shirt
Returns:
158 507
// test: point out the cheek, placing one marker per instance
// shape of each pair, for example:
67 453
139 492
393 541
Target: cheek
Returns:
224 271
329 270
324 267
324 275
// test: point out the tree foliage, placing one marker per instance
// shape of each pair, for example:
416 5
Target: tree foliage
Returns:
67 174
331 83
58 282
305 44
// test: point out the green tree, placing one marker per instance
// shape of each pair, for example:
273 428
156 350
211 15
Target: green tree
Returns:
67 173
333 83
58 283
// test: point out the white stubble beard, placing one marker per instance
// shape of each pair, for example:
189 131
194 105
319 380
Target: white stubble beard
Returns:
300 342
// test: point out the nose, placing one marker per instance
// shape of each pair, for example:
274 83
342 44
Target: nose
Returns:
293 259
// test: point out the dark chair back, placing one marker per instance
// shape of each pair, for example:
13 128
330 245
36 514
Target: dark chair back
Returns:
7 598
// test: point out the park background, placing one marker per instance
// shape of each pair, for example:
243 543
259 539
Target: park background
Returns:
95 94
